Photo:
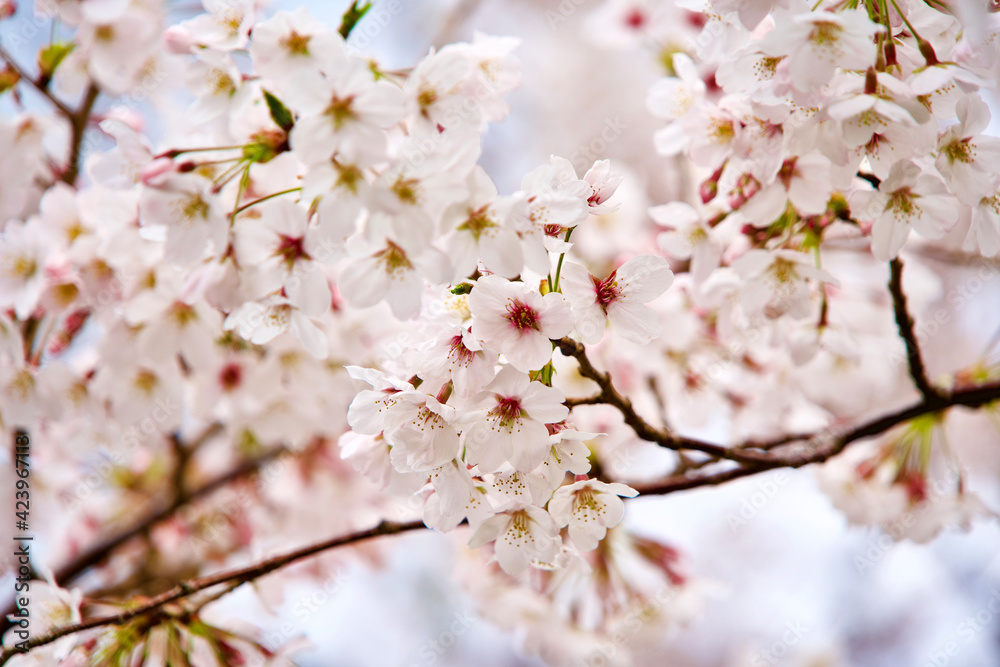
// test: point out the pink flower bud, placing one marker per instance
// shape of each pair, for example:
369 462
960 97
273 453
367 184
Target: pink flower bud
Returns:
178 40
153 173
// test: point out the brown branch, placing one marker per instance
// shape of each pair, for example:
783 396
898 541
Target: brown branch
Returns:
192 586
35 83
611 396
98 553
827 444
78 118
78 122
906 332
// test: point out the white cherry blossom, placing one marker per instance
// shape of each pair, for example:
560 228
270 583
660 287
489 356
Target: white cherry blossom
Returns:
518 322
589 507
520 538
618 298
508 422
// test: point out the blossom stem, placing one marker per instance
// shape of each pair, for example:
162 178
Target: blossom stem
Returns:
177 152
244 179
554 285
265 198
906 21
227 176
824 304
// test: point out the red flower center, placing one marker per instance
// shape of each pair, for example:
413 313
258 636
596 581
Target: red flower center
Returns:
635 19
507 411
291 249
522 316
460 353
606 290
230 376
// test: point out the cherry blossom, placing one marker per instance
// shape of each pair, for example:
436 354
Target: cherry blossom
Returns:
907 199
508 422
518 322
618 298
265 283
521 537
818 43
589 507
967 160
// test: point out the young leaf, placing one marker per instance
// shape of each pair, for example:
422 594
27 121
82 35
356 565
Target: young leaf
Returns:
351 17
279 112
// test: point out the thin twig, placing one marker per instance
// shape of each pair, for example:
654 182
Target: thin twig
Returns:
611 396
905 324
192 586
825 445
100 552
35 83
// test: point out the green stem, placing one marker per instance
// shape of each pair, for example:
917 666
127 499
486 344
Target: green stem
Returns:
555 283
906 21
244 180
265 198
176 152
226 176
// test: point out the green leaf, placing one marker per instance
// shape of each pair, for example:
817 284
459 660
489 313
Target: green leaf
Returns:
279 112
351 17
50 56
8 79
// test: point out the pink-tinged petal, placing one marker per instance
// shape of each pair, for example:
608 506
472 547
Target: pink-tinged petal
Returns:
850 107
591 322
974 115
676 244
644 278
488 531
888 237
512 554
671 139
530 352
635 322
557 320
576 285
675 214
532 446
937 215
753 264
310 335
309 290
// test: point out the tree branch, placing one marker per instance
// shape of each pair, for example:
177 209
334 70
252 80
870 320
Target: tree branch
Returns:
78 121
78 118
35 83
906 332
611 396
827 444
100 552
192 586
824 445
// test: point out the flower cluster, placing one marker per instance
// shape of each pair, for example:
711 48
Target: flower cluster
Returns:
310 274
